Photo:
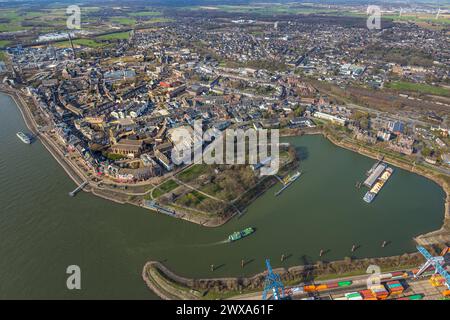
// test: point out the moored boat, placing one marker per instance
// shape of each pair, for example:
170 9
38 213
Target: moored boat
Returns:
288 181
24 137
384 177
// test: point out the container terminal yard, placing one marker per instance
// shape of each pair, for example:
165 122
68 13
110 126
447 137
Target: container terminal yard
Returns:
431 281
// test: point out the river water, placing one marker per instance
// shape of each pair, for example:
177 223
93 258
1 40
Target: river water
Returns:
43 230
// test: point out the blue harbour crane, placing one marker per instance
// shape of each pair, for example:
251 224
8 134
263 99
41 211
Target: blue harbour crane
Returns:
273 284
436 262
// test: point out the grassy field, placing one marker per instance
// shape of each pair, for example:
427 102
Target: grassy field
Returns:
267 9
80 42
46 20
192 172
158 20
124 21
167 186
191 199
2 56
12 21
442 19
418 87
145 14
4 43
115 36
305 8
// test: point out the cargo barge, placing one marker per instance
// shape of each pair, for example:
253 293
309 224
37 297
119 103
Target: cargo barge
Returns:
288 181
374 175
240 234
372 193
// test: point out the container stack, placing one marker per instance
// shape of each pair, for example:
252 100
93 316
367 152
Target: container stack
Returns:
385 276
395 287
353 296
367 295
326 286
309 288
321 287
332 285
437 280
380 292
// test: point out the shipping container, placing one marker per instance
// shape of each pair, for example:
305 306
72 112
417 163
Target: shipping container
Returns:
332 285
309 288
368 295
446 293
395 293
321 287
398 289
344 283
366 291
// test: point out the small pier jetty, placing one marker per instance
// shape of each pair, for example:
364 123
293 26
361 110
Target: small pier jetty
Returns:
78 189
376 171
154 206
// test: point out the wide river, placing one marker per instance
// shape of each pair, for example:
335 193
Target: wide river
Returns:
43 230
